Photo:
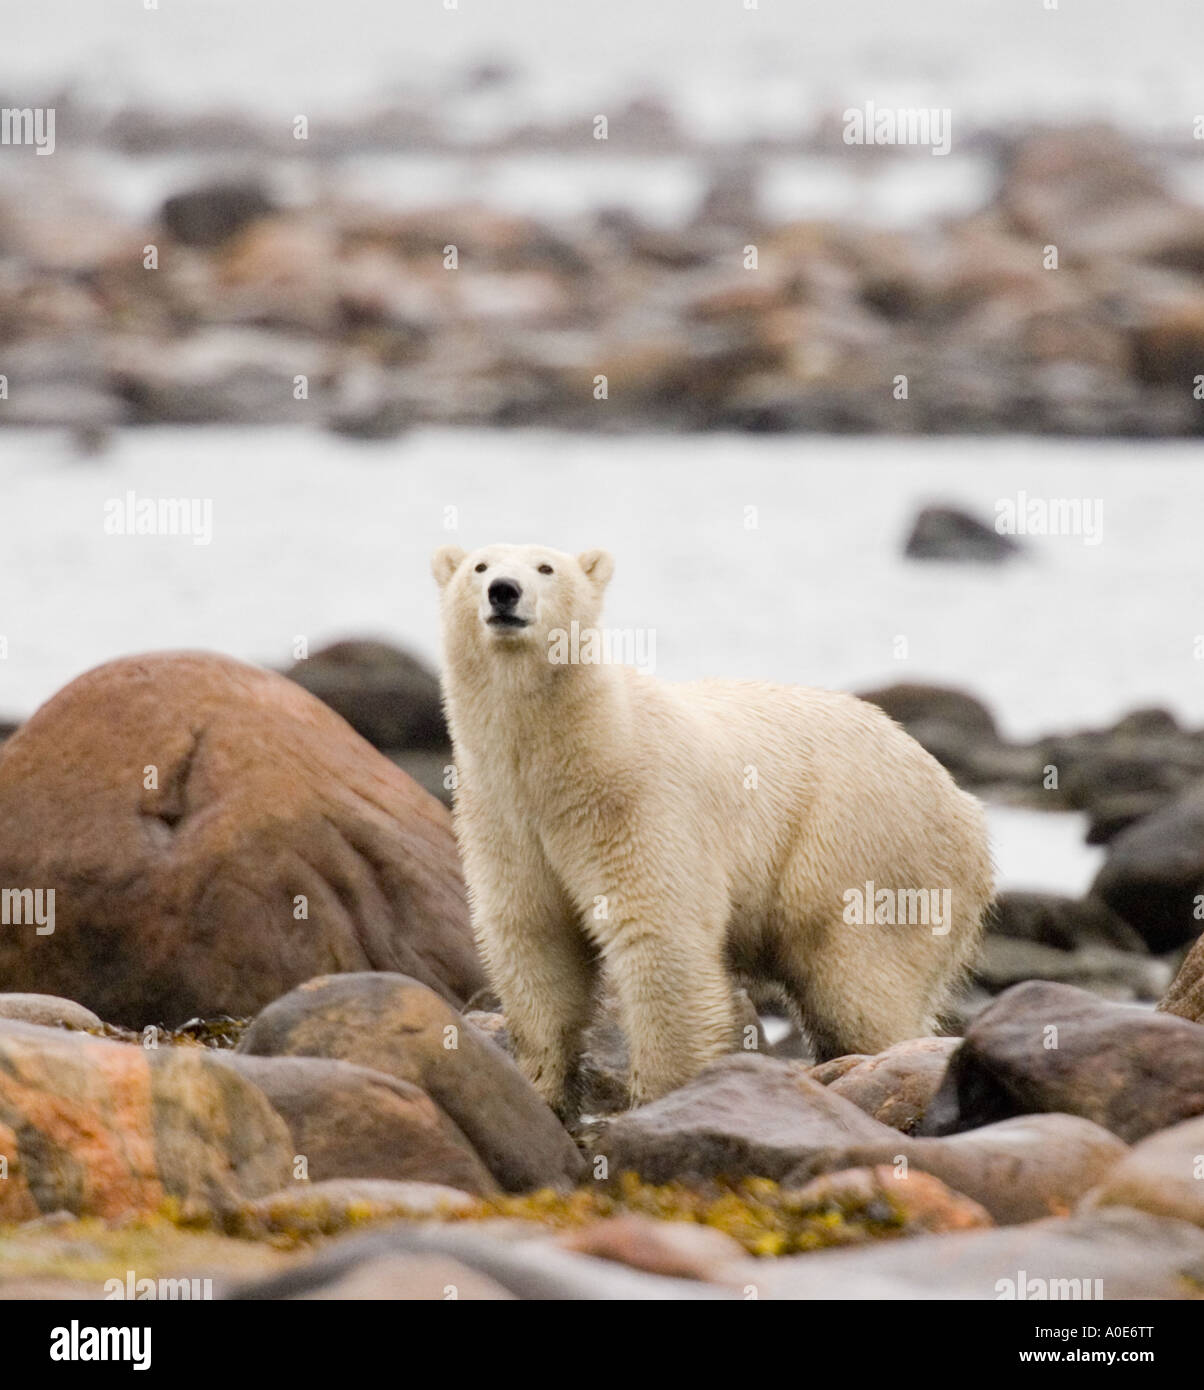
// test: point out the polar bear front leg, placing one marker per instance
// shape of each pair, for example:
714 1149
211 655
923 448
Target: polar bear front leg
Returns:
675 1001
542 967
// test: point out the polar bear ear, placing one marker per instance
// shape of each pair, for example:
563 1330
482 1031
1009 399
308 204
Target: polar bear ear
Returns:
597 566
445 562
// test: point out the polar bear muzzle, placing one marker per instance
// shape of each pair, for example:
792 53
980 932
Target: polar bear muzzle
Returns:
504 596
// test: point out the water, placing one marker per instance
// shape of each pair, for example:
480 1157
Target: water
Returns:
729 67
321 536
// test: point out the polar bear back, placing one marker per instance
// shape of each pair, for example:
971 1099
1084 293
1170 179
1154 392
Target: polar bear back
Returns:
776 772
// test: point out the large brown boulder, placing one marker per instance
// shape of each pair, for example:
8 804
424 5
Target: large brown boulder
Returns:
398 1026
107 1129
214 836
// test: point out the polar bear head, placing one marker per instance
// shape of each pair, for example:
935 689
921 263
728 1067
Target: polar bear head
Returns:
514 598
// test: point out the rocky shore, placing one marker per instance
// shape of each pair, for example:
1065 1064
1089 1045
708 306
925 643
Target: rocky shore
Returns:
1071 302
256 1047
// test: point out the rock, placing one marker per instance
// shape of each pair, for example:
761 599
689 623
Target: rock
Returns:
1109 815
1118 975
104 1129
1168 344
278 271
47 1009
1089 193
895 1086
945 533
913 705
235 376
958 731
348 1121
1097 1255
267 805
732 198
1146 721
827 1072
1049 1047
1097 768
1163 1175
1052 919
676 1249
388 696
57 380
331 1206
1154 872
38 1290
922 1203
110 1260
408 1278
206 217
527 1268
396 1025
744 1115
1185 997
1017 1170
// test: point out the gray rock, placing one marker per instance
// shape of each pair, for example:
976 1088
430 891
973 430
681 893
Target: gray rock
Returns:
1118 975
1131 1254
1019 1170
945 533
530 1269
385 694
1053 919
1154 872
206 217
1050 1047
1161 1175
744 1115
48 1009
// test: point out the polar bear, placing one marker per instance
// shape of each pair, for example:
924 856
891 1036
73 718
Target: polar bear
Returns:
681 836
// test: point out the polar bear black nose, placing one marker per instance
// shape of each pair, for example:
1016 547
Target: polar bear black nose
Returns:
504 594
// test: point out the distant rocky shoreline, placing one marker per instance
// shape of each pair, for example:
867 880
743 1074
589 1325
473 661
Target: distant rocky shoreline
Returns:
1072 303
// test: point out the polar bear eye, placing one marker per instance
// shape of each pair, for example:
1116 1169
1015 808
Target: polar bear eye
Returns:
545 569
482 567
